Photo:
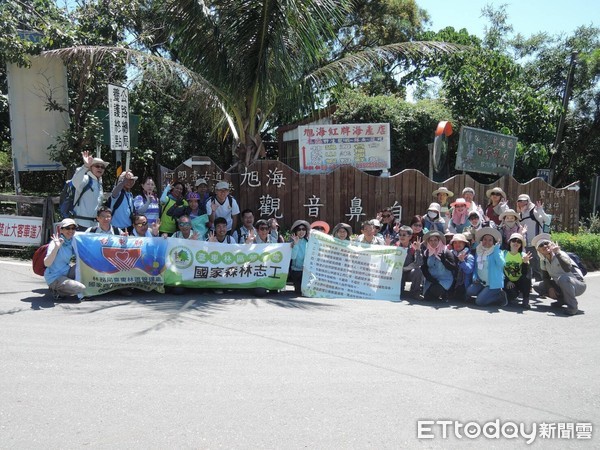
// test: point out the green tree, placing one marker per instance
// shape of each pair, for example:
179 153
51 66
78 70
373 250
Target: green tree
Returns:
249 59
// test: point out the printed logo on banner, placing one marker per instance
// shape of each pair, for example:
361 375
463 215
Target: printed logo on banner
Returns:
122 258
181 257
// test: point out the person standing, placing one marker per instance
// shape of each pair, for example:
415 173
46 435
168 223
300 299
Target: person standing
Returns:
89 195
147 202
532 217
223 205
121 201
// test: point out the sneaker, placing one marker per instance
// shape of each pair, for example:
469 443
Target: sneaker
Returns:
526 306
571 311
557 304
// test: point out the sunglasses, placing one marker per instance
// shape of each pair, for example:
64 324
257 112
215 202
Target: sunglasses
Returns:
72 228
496 194
515 240
141 224
98 166
185 224
404 235
319 228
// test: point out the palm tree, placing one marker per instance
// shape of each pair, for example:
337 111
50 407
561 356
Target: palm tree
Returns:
250 57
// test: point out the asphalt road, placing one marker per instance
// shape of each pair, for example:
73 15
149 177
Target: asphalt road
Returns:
198 371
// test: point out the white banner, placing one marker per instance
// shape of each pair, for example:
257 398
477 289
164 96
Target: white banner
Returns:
345 269
323 148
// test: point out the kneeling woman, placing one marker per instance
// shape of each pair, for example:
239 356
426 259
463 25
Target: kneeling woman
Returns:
488 277
439 267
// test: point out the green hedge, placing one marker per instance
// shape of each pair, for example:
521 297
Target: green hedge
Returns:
586 245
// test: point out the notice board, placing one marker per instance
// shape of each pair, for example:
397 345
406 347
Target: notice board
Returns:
485 152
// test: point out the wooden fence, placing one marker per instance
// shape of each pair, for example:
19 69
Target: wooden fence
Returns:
272 189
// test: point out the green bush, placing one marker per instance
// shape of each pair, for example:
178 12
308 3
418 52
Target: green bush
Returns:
586 245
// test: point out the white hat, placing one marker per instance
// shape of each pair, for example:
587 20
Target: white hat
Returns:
98 161
443 190
509 212
375 223
479 234
520 237
435 207
459 237
524 197
67 222
469 189
540 238
498 190
222 185
200 181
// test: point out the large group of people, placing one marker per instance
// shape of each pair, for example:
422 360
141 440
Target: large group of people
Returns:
460 250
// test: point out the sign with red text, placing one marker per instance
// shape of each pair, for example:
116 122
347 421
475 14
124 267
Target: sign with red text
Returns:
20 230
323 148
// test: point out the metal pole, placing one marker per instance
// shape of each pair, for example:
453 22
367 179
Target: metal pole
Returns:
565 104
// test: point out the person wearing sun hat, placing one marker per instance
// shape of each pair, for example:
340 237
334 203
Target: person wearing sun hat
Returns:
533 217
488 276
439 267
509 224
300 231
89 194
468 193
60 274
320 225
466 263
561 278
516 270
433 218
342 231
442 195
497 204
458 216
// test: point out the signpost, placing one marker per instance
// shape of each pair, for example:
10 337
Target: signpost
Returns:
485 152
118 112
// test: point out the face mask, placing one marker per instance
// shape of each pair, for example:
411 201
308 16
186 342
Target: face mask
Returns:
432 214
510 223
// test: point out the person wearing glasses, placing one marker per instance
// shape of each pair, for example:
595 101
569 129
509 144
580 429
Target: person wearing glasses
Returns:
411 271
300 230
497 205
516 270
60 273
534 218
388 225
561 278
184 223
104 223
262 235
87 181
141 228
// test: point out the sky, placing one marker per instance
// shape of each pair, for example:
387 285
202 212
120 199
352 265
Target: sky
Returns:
526 16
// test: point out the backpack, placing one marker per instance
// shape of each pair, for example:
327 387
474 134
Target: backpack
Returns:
67 201
37 262
213 199
539 227
578 262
